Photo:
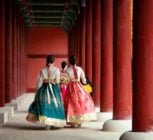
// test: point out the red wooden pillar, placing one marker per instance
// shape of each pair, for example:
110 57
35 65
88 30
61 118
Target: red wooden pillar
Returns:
83 33
8 62
72 41
14 46
89 39
24 54
24 68
122 68
69 43
122 61
106 103
25 49
18 35
96 51
79 38
142 122
18 52
2 53
143 66
22 57
76 38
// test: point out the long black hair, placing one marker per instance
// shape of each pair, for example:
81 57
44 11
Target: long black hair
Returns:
63 64
73 60
49 59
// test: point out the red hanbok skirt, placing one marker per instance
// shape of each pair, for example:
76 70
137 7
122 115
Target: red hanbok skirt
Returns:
79 106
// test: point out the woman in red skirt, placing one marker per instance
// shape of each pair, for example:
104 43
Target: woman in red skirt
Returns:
79 106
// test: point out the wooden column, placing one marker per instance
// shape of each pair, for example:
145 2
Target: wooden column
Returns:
96 51
143 66
83 33
89 39
106 104
79 40
8 53
122 61
14 46
2 53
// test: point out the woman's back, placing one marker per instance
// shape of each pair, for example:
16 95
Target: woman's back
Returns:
80 73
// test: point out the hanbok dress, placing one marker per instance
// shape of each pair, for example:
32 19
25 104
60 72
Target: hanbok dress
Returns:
63 81
47 106
79 106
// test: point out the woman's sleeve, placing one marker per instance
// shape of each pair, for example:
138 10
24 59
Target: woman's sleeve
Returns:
39 80
83 78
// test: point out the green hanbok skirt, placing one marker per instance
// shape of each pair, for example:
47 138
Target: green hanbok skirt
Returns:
47 106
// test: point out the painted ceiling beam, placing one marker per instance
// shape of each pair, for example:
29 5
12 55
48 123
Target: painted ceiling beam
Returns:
67 17
43 25
71 11
48 17
50 12
50 22
49 4
47 11
67 26
29 19
46 21
29 13
73 3
70 18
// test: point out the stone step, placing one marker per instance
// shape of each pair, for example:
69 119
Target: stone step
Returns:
3 117
9 110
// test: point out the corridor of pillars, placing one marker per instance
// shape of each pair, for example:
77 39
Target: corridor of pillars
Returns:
13 41
107 38
100 38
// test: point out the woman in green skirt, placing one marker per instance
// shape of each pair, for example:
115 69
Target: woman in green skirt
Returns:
47 106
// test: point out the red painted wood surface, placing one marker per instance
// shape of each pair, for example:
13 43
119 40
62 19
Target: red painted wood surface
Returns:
14 46
47 40
41 42
143 66
8 52
79 40
89 40
75 39
106 103
122 61
2 53
83 33
96 51
18 54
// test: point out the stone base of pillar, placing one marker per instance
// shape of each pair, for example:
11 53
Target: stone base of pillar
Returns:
3 117
137 136
18 101
15 105
10 111
104 116
23 97
97 109
117 125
